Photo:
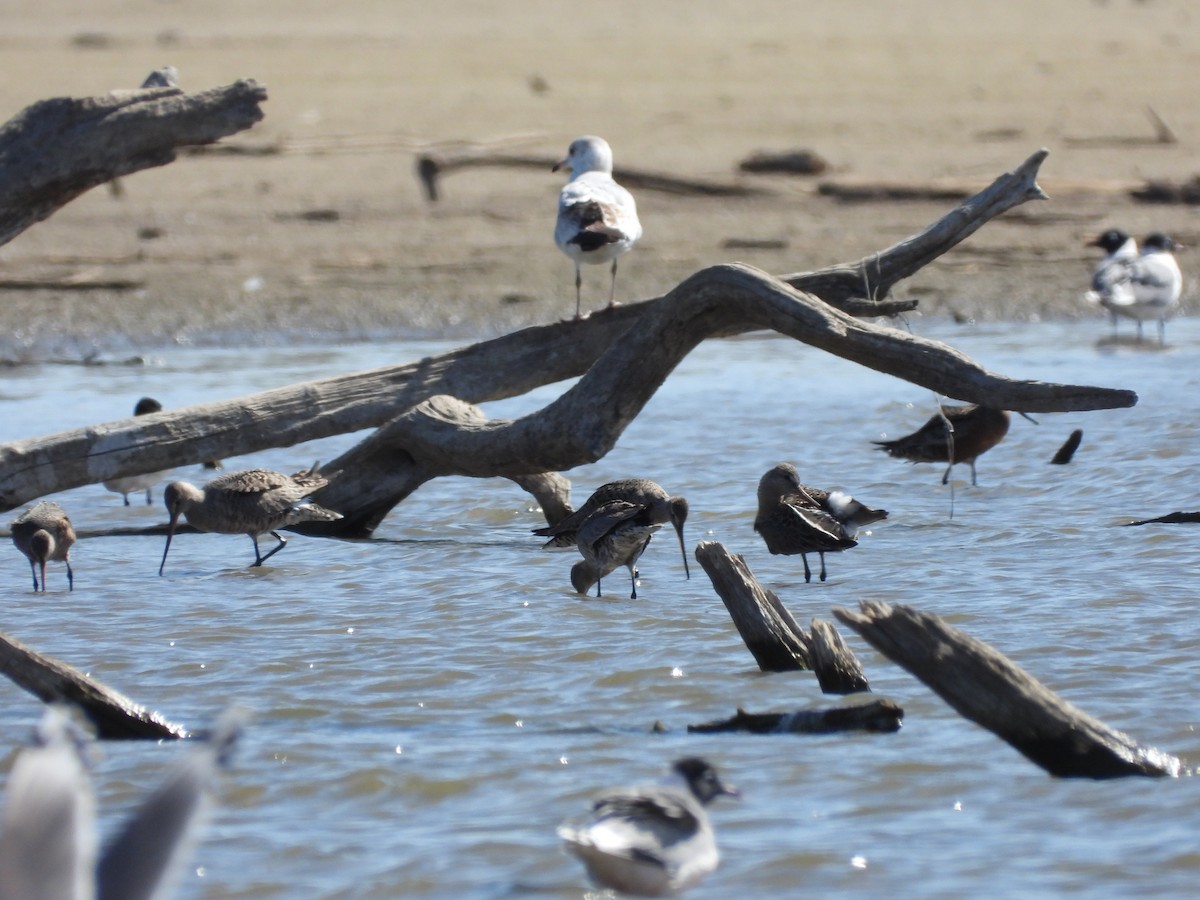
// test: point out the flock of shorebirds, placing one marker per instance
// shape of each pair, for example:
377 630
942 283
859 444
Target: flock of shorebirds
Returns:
650 840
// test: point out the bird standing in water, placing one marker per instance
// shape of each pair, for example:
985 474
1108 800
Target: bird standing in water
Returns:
44 534
131 483
615 534
952 435
597 218
251 502
795 518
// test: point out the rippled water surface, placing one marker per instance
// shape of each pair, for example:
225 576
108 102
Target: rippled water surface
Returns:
427 706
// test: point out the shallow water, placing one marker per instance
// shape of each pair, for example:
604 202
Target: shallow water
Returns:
428 706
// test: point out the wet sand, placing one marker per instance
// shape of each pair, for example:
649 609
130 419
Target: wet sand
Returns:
332 238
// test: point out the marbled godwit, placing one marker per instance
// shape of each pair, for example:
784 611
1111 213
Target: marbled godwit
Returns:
44 534
660 507
953 435
131 483
252 502
655 840
795 518
615 534
597 218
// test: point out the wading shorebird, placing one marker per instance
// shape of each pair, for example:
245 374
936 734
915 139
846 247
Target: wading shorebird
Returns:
251 502
953 435
44 534
597 218
615 534
795 518
133 483
660 508
655 840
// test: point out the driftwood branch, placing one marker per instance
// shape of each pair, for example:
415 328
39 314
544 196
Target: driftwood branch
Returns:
112 714
876 714
990 690
626 352
100 138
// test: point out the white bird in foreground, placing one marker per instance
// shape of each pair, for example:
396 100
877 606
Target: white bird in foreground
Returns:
597 218
652 841
1137 286
48 837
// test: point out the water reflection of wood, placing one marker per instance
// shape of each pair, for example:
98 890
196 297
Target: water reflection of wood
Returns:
427 426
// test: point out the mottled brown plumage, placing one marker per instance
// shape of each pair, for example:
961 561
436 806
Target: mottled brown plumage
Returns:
953 435
44 534
251 502
660 508
795 518
615 534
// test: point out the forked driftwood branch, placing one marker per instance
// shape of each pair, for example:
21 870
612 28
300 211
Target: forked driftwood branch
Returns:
626 353
52 681
54 150
990 690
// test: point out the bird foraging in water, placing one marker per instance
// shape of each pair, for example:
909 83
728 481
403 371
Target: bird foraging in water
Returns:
251 502
615 534
659 506
952 435
655 840
597 218
795 518
44 534
131 483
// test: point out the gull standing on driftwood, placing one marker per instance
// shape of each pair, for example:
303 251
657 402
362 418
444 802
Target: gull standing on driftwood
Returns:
597 218
251 502
795 518
655 840
44 534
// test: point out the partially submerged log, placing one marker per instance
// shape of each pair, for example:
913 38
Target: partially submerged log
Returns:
1067 451
113 715
1174 518
876 714
97 139
990 690
774 638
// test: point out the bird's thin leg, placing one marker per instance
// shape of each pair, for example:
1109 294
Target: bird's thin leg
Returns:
597 584
974 483
149 499
578 295
946 474
1139 337
282 543
33 570
612 286
822 555
1162 332
633 579
70 576
125 497
807 571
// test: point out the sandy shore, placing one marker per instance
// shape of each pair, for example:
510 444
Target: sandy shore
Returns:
224 249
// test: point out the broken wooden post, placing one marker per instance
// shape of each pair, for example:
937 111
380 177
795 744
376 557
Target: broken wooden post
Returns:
986 687
836 667
113 715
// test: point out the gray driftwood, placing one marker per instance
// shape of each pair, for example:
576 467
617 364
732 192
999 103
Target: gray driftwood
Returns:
774 638
54 150
990 690
875 714
626 353
113 715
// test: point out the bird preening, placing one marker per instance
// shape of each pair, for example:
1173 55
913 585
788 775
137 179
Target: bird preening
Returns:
597 218
44 534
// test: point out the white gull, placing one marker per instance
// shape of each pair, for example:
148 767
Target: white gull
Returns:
597 218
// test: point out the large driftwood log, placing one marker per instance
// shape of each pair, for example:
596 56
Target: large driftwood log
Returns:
112 714
626 351
990 690
96 139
